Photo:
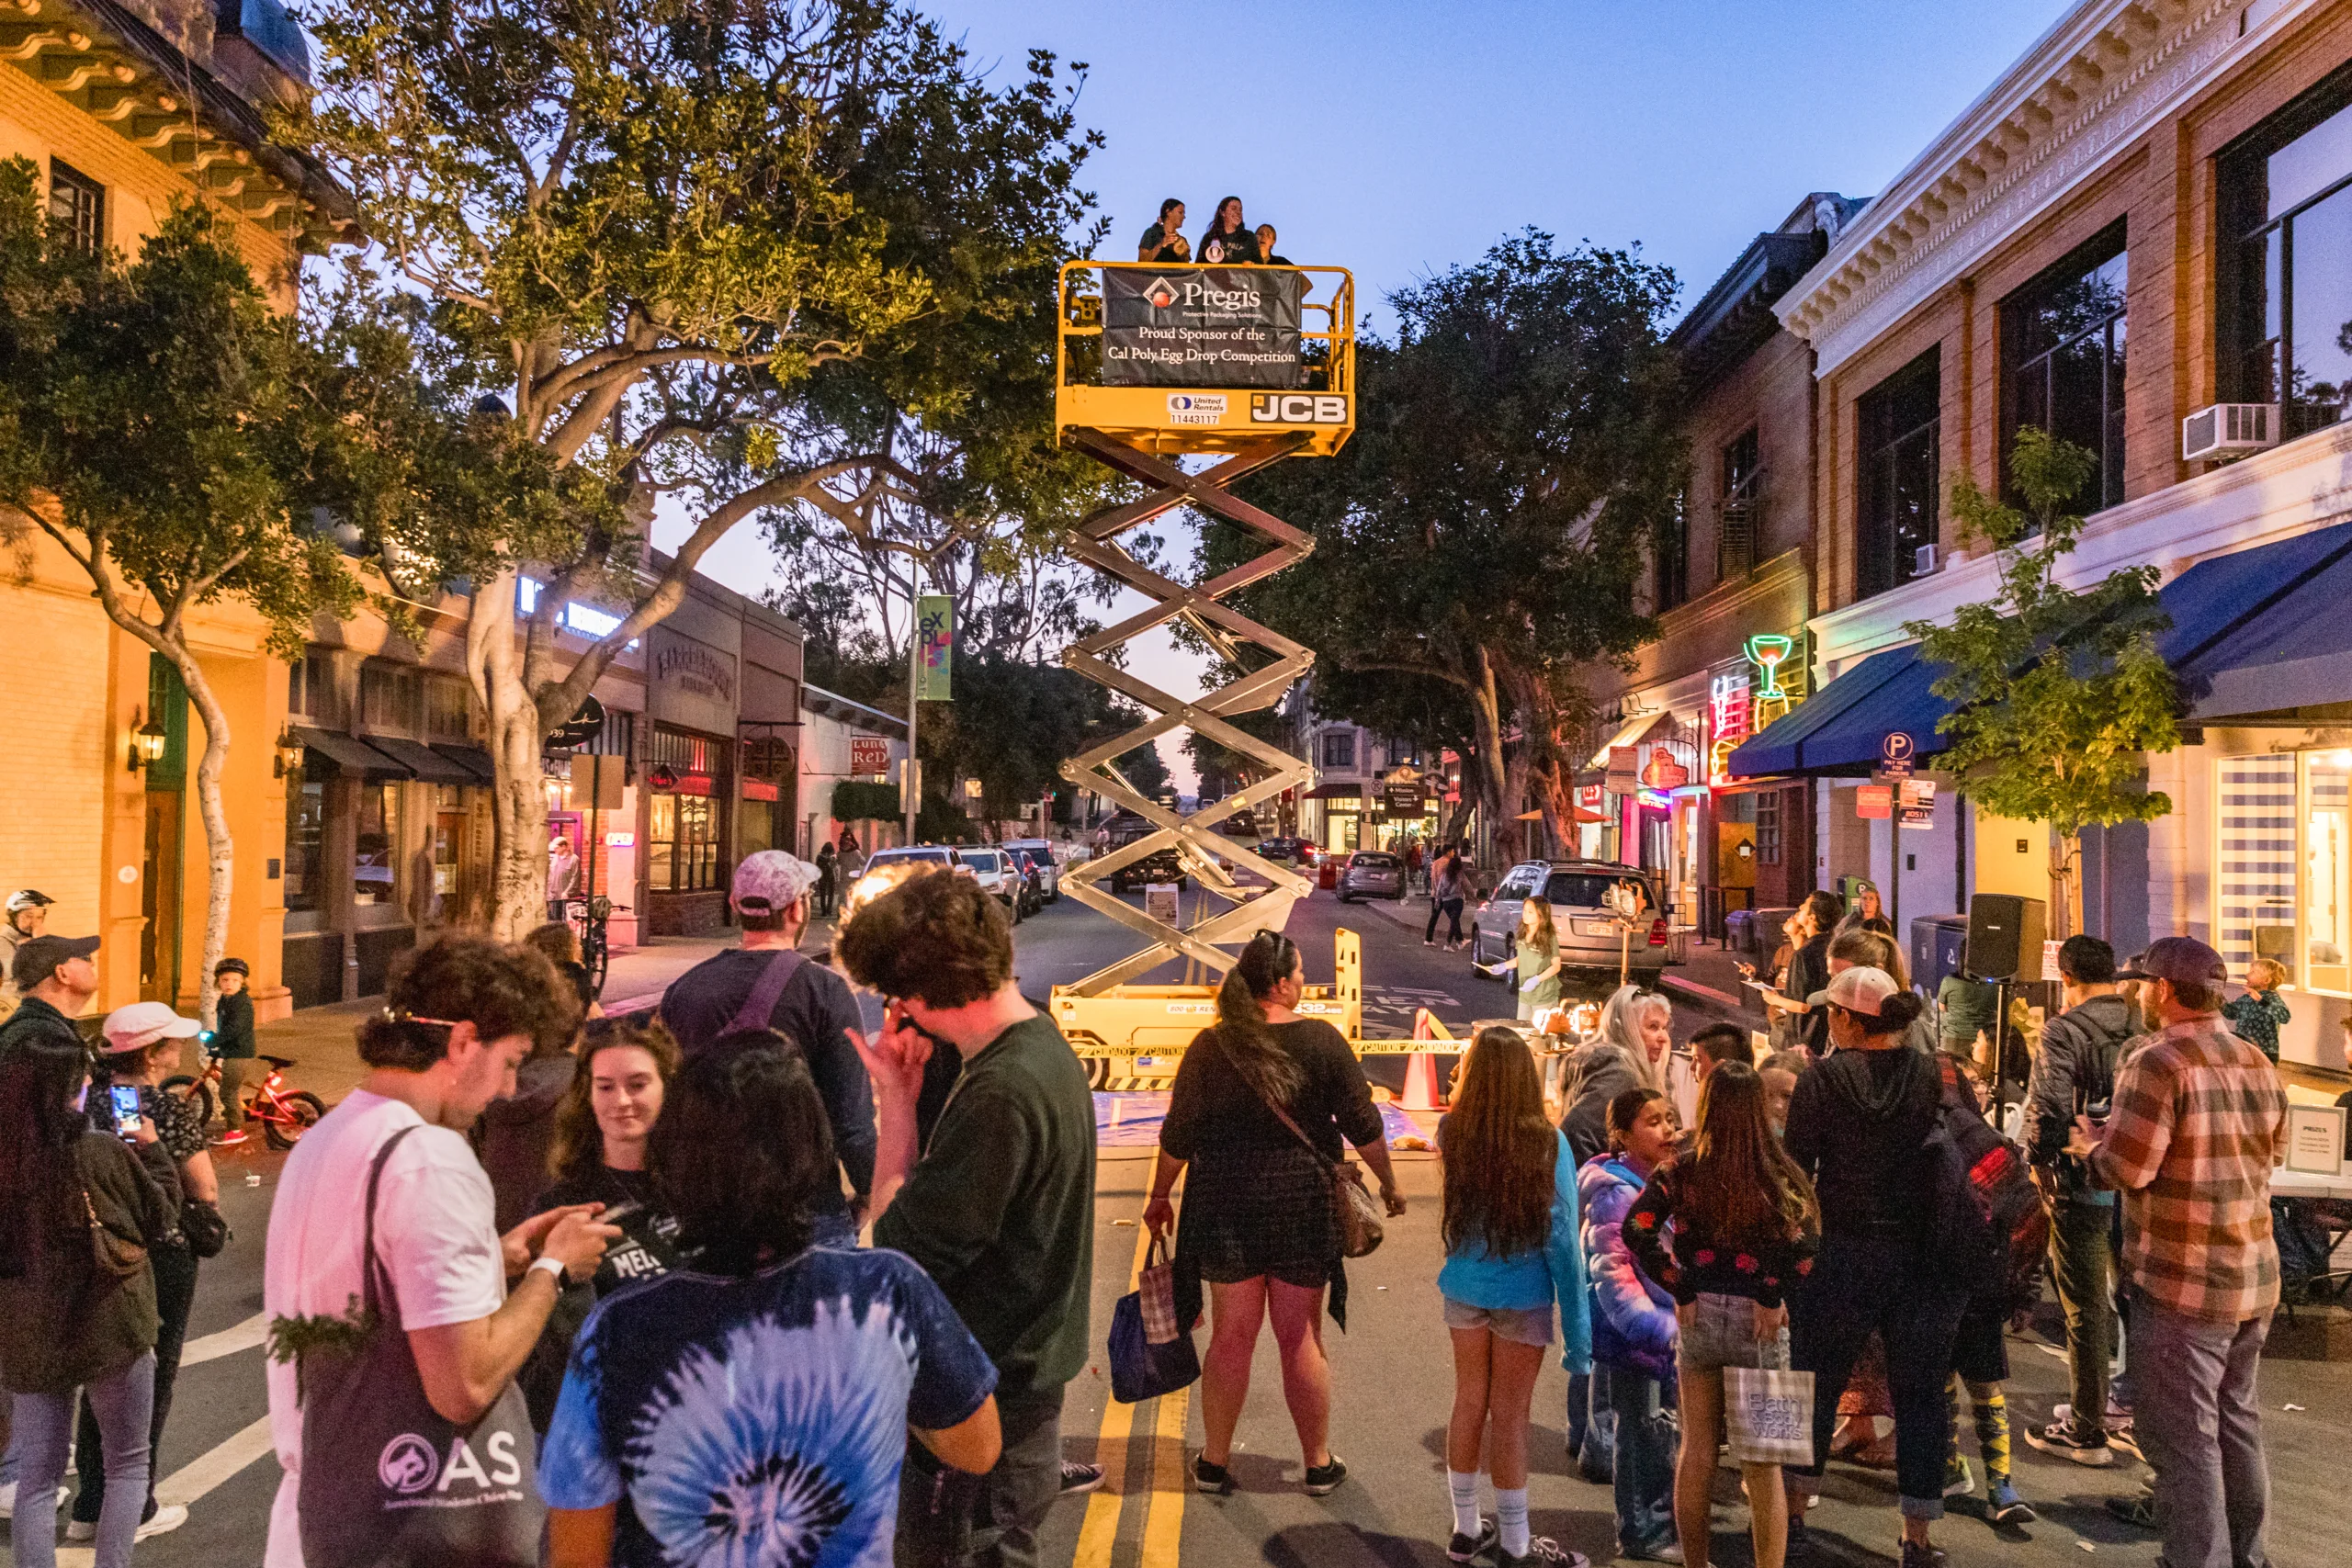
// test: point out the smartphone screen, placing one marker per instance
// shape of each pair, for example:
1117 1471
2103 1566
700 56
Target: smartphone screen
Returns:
126 1108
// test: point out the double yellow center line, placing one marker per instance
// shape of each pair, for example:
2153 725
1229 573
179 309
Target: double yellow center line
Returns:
1163 1520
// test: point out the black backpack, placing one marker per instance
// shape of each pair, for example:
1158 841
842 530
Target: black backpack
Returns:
1991 1233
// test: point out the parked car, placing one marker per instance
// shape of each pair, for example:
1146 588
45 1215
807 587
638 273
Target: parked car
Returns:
1372 873
1049 871
998 876
1589 937
1160 865
1290 852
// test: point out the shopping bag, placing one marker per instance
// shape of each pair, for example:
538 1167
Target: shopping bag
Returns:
1767 1414
1151 1353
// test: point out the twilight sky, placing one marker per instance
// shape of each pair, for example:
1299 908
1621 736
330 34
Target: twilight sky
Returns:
1399 137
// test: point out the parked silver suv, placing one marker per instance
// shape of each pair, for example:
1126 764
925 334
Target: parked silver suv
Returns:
1372 873
1578 893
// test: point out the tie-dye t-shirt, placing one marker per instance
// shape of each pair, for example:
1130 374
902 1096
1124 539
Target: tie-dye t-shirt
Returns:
760 1421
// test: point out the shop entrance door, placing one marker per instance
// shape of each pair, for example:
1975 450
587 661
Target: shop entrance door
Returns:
159 899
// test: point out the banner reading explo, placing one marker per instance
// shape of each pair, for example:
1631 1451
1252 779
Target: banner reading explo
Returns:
935 624
1201 327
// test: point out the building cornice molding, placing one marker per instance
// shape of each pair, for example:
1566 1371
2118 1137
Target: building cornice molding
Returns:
2079 98
2260 500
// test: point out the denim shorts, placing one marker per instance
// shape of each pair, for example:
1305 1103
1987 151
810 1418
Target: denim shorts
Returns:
1521 1325
1721 1333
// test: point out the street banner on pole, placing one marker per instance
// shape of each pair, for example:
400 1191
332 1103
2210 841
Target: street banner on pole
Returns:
1201 327
936 623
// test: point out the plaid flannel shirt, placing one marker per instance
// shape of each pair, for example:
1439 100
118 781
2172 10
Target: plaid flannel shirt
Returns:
2198 1114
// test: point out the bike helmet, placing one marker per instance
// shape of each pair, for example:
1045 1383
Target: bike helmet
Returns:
28 898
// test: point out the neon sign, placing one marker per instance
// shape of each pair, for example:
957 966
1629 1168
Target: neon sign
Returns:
1768 652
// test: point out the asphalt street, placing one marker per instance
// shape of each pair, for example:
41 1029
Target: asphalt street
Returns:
1392 1376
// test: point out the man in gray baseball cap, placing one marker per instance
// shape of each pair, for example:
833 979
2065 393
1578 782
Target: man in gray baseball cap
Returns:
2199 1115
734 999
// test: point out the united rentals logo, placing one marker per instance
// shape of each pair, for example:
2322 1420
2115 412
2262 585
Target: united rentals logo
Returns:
1159 294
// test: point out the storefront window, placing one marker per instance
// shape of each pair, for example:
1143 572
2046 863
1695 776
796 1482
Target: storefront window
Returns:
2283 870
306 826
374 872
682 851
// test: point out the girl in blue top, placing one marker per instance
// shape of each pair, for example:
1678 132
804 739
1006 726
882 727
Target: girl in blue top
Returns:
1511 1252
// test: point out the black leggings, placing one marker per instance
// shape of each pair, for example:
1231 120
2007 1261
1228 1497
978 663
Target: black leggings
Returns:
1866 1282
1452 909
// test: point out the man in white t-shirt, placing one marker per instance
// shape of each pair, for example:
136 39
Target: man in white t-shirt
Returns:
459 1018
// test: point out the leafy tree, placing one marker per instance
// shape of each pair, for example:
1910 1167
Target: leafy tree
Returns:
175 435
714 258
1482 533
2056 693
1147 770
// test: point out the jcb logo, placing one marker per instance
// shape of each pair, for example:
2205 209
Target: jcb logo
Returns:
1297 407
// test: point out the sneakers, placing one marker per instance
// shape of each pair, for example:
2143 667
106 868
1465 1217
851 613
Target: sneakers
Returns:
1959 1480
1542 1551
2004 1506
1918 1554
8 1499
1077 1478
1323 1480
2061 1437
163 1521
1662 1552
1462 1549
228 1140
1214 1479
2139 1511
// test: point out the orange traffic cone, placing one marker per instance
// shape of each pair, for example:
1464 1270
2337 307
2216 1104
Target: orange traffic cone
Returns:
1420 1084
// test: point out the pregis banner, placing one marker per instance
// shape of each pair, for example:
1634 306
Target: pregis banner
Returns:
1201 327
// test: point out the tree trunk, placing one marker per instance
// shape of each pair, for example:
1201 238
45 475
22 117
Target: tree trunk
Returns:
1485 708
2066 870
219 851
519 800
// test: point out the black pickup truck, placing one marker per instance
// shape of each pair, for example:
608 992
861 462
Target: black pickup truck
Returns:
1161 866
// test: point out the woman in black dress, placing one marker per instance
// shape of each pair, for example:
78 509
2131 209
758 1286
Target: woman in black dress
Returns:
1259 1224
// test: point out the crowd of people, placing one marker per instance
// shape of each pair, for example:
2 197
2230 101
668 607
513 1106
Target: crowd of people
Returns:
742 1281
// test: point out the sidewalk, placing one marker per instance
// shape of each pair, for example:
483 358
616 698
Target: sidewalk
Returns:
322 1040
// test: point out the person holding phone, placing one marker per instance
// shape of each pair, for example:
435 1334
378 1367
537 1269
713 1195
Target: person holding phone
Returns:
142 1045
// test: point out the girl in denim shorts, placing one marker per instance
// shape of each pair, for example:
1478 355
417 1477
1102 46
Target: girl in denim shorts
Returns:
1511 1252
1742 1224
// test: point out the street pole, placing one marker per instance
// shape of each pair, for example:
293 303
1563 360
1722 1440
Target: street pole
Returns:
911 775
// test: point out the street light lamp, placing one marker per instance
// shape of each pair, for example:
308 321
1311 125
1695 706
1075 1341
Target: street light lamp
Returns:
148 743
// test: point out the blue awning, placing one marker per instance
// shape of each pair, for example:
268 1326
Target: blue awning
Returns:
1904 702
2286 641
1782 748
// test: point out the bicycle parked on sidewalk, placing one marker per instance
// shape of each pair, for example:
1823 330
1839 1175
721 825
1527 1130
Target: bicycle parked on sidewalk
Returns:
285 1114
591 915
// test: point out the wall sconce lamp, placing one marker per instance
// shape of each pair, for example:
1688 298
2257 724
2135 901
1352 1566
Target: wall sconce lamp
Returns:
290 754
148 742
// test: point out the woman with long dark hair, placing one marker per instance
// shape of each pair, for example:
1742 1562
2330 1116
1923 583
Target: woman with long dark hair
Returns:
762 1398
1743 1221
1259 1224
1227 240
603 1131
1511 1252
77 1295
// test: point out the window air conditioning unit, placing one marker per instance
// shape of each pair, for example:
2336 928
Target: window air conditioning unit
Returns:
1923 561
2228 430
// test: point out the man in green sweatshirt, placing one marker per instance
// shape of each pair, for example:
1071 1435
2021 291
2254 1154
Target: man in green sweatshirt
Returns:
999 1207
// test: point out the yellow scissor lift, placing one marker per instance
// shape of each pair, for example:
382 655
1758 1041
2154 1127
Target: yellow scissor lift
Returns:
1140 432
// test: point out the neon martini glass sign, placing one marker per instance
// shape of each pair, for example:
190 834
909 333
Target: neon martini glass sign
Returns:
1766 650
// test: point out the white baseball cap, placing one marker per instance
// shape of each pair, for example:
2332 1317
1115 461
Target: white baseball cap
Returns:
1862 989
141 1025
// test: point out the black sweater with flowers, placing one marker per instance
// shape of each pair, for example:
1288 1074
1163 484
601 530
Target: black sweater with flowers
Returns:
1761 1267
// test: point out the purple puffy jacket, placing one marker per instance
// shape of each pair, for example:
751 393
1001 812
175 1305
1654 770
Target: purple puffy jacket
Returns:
1632 1316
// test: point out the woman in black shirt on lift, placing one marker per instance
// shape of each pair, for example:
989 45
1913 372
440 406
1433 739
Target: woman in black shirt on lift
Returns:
1259 1224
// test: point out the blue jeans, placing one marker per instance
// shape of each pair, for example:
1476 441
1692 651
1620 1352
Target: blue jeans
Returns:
44 1428
1592 1425
1879 1280
1644 1473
